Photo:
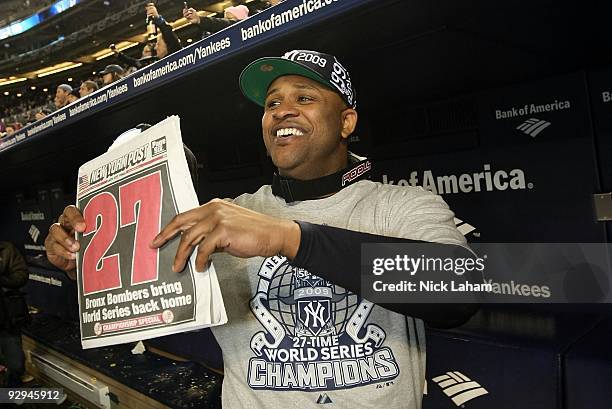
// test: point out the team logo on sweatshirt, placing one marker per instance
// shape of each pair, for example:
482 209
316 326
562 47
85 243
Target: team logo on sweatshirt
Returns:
316 335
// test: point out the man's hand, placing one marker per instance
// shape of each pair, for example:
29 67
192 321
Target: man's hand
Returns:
222 226
151 10
60 245
191 15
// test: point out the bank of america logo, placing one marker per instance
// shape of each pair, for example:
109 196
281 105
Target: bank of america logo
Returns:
34 233
459 387
323 399
533 126
464 228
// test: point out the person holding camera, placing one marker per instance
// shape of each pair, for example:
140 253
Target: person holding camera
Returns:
13 311
167 42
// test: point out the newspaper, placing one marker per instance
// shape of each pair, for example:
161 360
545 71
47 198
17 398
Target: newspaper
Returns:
127 291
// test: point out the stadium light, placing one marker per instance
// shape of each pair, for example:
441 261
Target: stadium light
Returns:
180 23
12 80
57 68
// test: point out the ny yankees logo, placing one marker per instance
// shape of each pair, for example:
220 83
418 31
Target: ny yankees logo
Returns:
314 314
316 336
317 315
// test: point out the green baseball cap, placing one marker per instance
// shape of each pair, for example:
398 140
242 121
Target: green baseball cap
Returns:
256 78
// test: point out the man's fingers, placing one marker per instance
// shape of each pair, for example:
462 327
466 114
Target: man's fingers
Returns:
60 245
189 240
182 222
212 243
57 253
169 231
56 249
202 259
60 235
72 218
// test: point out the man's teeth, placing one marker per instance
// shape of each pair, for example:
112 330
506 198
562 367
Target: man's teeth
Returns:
289 131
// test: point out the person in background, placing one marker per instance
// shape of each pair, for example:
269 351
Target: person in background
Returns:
61 95
208 25
167 41
147 51
13 275
146 58
30 117
10 130
41 113
73 96
239 12
87 87
111 73
267 5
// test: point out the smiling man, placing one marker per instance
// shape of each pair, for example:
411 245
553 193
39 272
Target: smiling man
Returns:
300 133
298 331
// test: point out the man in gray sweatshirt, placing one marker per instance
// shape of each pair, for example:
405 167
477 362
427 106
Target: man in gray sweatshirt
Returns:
287 256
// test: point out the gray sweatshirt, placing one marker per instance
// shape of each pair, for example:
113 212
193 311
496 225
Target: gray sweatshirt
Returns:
295 340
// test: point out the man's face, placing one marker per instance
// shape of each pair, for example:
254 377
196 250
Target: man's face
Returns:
304 127
9 131
83 90
60 94
146 51
161 49
39 116
57 102
107 78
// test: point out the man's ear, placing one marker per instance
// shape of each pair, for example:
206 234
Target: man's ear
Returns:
349 122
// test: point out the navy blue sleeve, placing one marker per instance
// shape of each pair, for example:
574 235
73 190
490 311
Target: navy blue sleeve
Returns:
172 41
335 255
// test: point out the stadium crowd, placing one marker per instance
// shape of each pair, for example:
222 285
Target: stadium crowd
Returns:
21 109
